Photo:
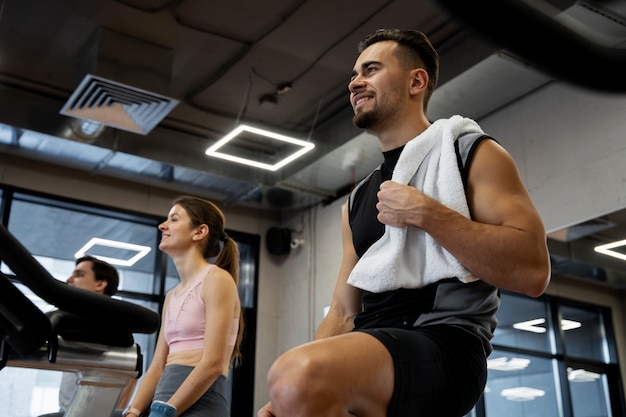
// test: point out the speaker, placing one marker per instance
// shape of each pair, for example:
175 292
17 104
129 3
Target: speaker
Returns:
278 240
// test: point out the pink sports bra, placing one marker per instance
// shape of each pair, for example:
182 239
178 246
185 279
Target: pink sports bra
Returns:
185 317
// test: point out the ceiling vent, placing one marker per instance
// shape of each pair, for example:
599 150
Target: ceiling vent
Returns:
117 105
124 82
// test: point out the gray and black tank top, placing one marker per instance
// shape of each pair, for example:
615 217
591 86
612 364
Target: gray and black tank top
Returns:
471 306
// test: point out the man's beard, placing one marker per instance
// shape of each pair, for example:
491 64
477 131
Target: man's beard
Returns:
365 120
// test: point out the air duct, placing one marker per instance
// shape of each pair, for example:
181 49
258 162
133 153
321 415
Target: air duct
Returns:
125 83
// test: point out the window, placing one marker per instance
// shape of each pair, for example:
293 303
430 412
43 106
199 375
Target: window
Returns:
539 368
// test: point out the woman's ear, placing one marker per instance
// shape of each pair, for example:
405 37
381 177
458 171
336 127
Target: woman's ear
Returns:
201 232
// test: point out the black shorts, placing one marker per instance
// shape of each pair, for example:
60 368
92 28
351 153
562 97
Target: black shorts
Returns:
440 370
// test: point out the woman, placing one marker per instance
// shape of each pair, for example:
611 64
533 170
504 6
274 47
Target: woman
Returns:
201 326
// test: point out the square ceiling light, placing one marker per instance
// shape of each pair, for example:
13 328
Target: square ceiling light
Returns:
259 148
608 249
104 249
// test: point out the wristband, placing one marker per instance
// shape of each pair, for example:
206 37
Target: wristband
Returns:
162 409
131 410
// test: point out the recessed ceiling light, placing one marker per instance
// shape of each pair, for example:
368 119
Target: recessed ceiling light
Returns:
606 249
96 241
259 148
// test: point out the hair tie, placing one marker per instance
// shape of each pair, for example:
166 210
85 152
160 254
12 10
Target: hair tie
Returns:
224 237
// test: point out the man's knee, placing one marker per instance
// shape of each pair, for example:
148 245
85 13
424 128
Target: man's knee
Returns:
294 376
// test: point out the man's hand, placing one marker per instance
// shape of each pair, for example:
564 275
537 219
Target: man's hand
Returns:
400 205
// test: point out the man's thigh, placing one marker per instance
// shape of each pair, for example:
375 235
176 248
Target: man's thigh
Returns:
354 369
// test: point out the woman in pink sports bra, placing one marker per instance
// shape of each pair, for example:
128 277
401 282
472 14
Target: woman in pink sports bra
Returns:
201 325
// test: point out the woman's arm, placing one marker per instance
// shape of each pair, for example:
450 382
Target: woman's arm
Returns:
148 385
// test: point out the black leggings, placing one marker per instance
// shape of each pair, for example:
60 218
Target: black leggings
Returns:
440 370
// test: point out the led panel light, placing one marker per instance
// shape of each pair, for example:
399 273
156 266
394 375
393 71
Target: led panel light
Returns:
235 147
522 393
96 241
531 326
506 364
581 375
607 249
534 325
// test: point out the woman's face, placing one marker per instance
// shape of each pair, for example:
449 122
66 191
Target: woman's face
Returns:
176 230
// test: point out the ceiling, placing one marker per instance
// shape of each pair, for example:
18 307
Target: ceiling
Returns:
277 64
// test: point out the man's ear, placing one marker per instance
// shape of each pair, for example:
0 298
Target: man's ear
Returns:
419 80
101 286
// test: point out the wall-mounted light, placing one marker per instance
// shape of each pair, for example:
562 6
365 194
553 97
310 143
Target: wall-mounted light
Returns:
259 148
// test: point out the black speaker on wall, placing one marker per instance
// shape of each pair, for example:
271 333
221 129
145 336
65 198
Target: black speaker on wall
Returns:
277 240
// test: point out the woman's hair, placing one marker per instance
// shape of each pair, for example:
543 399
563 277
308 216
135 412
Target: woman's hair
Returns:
415 50
103 271
218 245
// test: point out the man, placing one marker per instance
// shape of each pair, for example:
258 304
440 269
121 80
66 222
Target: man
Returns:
427 243
95 275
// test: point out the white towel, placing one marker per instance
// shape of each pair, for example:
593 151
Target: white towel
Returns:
408 257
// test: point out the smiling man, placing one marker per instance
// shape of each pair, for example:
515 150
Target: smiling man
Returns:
429 238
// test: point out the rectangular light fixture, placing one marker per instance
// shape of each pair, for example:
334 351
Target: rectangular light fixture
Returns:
534 325
506 364
96 241
522 393
249 146
607 249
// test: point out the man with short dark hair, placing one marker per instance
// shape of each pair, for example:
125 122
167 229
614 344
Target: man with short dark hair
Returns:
429 238
95 275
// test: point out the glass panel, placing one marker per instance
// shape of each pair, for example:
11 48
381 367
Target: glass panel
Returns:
6 134
36 393
58 234
589 393
520 385
522 323
584 333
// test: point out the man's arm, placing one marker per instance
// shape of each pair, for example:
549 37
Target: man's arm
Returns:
346 301
503 244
